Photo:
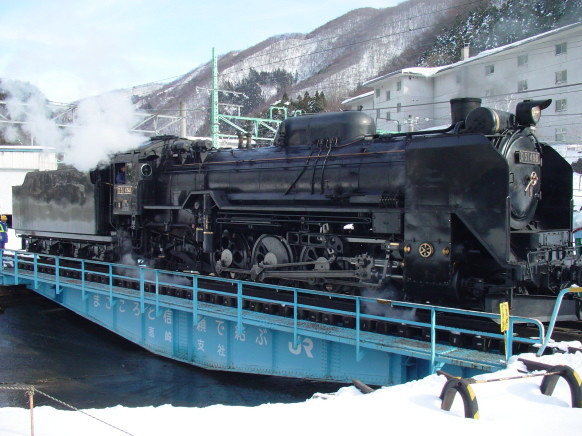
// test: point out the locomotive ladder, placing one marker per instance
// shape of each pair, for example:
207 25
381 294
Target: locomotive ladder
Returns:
235 336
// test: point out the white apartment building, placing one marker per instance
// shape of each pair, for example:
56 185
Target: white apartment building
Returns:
15 162
545 66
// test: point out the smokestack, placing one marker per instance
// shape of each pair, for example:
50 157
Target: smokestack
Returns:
183 121
465 52
460 107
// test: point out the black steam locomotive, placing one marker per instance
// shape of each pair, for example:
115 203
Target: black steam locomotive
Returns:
470 215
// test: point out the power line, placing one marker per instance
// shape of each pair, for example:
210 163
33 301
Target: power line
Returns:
498 95
333 48
545 50
334 83
379 37
341 46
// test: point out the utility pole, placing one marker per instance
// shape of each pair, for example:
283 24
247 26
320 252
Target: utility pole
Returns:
214 102
182 119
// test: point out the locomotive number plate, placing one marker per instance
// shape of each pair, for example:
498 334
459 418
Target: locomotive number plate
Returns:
123 189
528 157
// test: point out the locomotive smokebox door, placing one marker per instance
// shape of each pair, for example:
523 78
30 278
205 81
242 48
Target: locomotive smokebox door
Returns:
456 204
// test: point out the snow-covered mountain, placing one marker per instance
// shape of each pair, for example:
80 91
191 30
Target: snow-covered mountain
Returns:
334 58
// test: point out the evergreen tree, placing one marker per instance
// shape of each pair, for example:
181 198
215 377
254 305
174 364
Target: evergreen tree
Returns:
489 26
319 103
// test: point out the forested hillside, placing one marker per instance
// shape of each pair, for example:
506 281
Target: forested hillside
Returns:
494 25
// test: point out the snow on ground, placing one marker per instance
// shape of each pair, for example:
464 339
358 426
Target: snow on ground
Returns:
508 407
14 242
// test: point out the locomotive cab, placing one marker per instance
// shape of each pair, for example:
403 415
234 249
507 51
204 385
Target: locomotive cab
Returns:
124 186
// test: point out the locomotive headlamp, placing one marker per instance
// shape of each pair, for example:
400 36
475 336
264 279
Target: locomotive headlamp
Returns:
528 112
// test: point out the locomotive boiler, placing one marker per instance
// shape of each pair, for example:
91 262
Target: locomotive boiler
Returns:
470 215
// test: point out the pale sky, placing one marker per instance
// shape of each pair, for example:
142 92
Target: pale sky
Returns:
77 48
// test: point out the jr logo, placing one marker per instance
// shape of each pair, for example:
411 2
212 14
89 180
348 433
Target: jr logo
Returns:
305 344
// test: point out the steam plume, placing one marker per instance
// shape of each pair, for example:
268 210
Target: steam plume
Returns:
100 126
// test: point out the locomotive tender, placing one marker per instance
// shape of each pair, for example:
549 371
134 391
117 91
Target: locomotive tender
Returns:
469 216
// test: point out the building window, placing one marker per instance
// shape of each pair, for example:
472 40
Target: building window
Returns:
561 76
377 93
561 48
388 115
387 95
561 133
489 69
377 113
399 86
399 107
561 105
522 86
522 60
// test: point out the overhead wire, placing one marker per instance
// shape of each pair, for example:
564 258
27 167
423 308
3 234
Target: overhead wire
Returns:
457 5
339 82
334 83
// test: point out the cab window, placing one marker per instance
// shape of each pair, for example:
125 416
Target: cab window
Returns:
121 174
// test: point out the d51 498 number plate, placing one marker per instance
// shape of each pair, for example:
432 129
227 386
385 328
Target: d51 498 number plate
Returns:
528 157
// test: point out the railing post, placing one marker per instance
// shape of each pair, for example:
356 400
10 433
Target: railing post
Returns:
111 299
295 315
157 281
84 295
359 353
83 276
554 317
141 290
58 277
509 341
35 263
239 307
30 394
15 260
432 340
194 301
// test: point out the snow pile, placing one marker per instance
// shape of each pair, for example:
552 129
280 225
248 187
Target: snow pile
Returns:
515 406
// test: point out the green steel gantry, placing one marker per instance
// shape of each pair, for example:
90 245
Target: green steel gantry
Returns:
250 125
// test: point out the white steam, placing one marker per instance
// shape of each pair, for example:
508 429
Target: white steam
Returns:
144 268
27 105
98 127
102 127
